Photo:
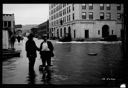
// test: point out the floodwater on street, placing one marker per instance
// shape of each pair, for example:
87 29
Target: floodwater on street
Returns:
71 64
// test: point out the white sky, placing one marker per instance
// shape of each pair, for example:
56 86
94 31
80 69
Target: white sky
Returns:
27 13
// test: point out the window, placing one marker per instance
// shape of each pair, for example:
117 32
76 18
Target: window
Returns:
63 11
101 15
57 22
108 16
5 24
73 7
101 6
108 7
90 15
83 15
54 23
73 16
119 16
74 33
69 17
83 6
54 31
9 23
52 6
54 16
60 13
64 30
119 7
52 35
54 10
51 12
69 9
61 32
60 6
57 32
57 15
64 5
61 21
64 19
98 32
112 32
90 6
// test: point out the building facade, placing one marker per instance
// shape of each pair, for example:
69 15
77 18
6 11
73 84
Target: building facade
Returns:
85 20
41 29
44 28
8 30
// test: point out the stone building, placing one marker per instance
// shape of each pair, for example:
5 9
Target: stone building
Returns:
8 30
85 20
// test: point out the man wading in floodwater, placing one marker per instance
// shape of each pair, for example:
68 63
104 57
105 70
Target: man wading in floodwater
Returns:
31 49
46 51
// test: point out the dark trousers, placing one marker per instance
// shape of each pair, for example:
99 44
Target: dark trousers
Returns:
31 62
46 58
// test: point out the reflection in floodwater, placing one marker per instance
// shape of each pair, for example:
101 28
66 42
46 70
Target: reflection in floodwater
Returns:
71 65
31 77
46 75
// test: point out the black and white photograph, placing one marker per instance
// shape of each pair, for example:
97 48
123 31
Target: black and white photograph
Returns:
64 44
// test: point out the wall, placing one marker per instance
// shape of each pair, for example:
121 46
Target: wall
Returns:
5 39
93 28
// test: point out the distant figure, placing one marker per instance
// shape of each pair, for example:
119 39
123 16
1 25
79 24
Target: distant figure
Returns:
18 38
13 38
31 49
46 51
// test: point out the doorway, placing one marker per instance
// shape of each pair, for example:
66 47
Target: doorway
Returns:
86 33
105 31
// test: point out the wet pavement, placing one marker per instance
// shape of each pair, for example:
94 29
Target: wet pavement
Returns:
71 65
